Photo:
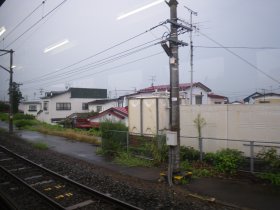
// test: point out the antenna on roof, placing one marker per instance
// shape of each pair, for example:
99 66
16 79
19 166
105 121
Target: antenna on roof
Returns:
68 85
152 79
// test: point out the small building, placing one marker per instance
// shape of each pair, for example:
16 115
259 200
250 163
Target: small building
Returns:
267 98
102 105
30 107
113 114
57 105
250 99
201 94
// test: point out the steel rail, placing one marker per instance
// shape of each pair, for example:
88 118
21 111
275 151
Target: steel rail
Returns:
86 188
49 200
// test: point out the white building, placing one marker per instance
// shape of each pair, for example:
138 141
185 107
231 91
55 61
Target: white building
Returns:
57 105
113 114
30 107
102 105
201 94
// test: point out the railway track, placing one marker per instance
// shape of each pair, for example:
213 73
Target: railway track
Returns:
23 181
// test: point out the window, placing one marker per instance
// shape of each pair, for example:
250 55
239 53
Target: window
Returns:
198 99
218 102
98 108
63 106
85 106
32 108
46 106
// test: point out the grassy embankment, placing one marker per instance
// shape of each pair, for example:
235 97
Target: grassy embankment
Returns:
28 122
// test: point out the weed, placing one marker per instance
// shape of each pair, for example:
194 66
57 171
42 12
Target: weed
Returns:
274 178
127 159
40 145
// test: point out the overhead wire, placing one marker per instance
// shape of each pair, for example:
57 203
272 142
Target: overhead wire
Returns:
240 47
21 22
78 71
101 71
241 58
99 53
34 24
99 62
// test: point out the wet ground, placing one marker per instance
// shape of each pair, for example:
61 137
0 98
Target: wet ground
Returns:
245 194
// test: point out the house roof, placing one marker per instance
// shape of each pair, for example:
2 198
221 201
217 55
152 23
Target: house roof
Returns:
183 86
102 101
212 95
30 102
247 99
79 93
266 95
120 112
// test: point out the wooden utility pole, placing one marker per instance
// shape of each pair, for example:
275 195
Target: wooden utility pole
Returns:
11 93
10 71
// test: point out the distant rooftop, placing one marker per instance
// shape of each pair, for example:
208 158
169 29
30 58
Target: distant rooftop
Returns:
183 86
79 93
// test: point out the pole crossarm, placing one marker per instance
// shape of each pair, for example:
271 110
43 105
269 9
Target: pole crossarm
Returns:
8 51
5 68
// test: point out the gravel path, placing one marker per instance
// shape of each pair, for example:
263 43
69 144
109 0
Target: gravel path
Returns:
144 194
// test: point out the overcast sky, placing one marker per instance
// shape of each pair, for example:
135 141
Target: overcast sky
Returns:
92 27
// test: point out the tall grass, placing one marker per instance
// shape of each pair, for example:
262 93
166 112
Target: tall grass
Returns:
74 134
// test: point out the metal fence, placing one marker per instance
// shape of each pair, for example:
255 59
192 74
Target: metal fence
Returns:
140 145
249 147
135 143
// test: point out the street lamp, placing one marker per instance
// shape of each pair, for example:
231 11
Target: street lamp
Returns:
10 71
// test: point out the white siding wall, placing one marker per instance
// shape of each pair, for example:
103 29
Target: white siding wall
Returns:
76 106
93 107
26 110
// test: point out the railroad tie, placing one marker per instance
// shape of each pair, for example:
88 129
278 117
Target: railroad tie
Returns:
79 205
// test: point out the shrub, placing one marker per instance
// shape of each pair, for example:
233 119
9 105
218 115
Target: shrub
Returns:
227 160
202 172
189 153
95 132
185 165
24 123
4 116
20 116
209 158
271 158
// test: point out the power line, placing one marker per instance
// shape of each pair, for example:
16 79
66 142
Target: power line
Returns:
101 71
95 66
241 58
32 26
240 47
101 52
31 13
99 62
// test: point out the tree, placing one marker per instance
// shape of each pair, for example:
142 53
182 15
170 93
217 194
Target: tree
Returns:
17 96
199 123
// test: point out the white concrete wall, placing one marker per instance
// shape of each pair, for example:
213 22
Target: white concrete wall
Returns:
149 115
240 122
258 122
